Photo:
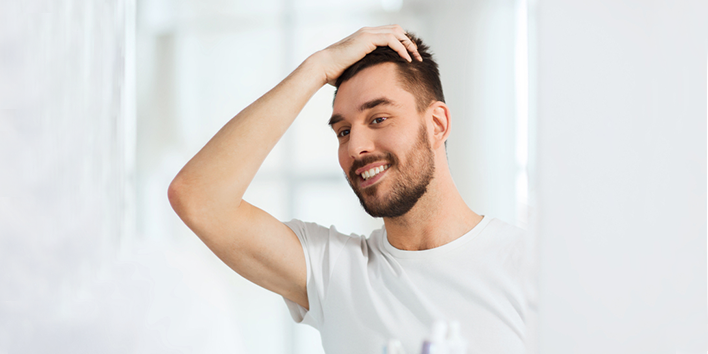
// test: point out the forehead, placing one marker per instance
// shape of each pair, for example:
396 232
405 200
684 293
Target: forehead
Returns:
381 80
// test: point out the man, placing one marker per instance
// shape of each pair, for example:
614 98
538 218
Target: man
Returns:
434 259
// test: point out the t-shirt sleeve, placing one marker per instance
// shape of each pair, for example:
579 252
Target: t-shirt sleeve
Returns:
321 246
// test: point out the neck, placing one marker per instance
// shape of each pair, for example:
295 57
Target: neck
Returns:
440 216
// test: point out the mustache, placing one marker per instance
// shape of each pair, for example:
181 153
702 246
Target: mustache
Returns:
388 157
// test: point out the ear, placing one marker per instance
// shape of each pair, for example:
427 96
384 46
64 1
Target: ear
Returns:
440 115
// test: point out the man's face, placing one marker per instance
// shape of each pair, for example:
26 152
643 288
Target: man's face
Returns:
383 141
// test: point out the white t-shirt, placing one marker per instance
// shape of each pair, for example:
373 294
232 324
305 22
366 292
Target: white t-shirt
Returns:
363 291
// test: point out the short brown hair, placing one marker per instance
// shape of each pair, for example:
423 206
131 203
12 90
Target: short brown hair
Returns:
422 79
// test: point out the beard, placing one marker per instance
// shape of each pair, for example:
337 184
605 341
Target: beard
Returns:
410 184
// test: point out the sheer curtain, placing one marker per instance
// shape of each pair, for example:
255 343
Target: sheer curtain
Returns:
66 146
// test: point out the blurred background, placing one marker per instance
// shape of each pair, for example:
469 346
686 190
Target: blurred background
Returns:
116 96
582 123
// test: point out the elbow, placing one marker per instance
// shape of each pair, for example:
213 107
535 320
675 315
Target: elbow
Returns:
183 202
188 202
195 205
176 194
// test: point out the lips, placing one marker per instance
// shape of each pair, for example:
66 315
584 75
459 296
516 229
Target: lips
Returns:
370 169
373 171
372 175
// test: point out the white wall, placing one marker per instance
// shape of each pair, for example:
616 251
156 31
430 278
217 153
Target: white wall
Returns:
621 175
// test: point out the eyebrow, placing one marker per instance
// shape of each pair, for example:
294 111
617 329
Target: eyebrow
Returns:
381 101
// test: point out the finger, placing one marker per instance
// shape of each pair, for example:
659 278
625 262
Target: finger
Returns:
392 36
402 36
411 46
396 44
388 39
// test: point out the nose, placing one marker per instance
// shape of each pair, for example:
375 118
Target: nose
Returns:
360 143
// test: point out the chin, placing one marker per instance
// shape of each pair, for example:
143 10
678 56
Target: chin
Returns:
379 207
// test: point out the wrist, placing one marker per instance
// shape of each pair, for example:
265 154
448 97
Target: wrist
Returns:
315 68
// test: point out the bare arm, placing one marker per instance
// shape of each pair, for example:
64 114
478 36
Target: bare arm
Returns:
207 193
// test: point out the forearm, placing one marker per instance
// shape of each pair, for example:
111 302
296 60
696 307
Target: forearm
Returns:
213 182
207 193
217 176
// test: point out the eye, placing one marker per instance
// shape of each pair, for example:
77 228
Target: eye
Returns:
378 120
343 133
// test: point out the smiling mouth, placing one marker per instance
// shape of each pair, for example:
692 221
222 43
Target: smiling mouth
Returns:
371 173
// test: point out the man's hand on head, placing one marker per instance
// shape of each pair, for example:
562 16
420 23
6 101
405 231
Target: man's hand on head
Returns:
208 192
339 56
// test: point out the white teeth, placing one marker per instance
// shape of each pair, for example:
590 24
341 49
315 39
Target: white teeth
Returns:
373 172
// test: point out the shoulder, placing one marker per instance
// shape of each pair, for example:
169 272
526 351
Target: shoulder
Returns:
513 257
502 227
510 242
311 234
309 228
503 232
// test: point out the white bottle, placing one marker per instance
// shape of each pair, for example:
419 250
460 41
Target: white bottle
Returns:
436 344
455 343
394 346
